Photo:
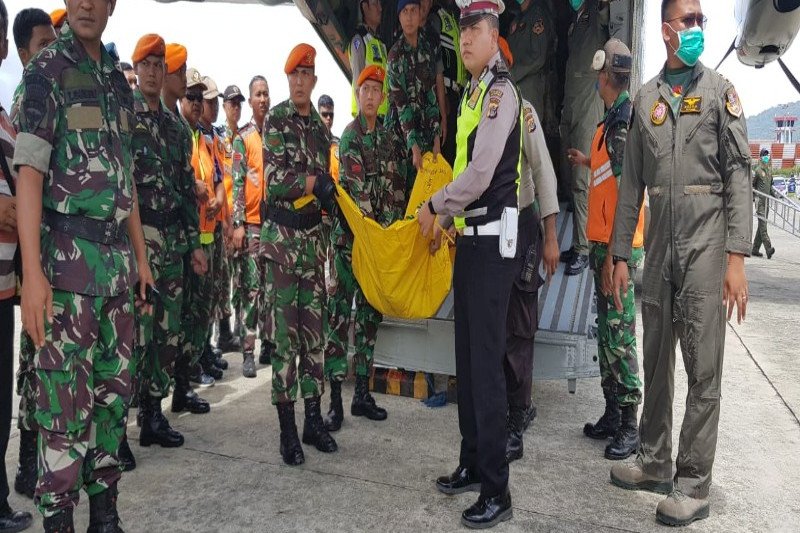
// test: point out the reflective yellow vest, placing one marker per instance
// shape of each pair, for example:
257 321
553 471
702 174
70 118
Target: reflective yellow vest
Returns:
452 51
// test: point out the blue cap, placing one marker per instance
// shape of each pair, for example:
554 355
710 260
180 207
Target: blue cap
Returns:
403 3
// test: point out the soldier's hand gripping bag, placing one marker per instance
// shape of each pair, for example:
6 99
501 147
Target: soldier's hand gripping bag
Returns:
325 191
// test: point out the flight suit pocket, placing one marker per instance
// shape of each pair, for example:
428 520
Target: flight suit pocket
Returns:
702 315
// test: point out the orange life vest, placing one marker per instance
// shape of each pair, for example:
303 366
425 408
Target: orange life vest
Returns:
603 196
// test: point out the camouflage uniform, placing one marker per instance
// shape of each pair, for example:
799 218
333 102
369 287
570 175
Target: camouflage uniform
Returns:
413 108
250 264
231 304
294 147
74 124
762 183
165 185
369 174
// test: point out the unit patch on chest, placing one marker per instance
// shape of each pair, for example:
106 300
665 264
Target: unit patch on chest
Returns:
538 27
658 113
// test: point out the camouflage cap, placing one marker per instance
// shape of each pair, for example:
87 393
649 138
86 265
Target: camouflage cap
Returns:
614 57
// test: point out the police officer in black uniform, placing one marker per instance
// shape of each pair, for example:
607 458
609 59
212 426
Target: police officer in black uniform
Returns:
482 202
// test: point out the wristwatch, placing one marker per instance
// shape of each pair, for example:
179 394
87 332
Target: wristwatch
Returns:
238 224
617 259
430 208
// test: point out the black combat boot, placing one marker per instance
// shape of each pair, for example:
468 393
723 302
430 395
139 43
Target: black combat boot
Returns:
183 397
291 450
25 481
335 416
207 360
265 357
12 521
125 455
515 427
198 376
770 253
226 341
609 423
156 428
249 365
103 517
60 522
626 440
363 403
314 431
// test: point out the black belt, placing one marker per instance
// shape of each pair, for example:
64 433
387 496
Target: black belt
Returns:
293 220
91 229
159 219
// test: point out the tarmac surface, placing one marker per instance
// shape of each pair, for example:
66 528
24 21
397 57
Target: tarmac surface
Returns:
229 476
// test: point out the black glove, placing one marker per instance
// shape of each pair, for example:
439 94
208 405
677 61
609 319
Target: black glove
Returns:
325 191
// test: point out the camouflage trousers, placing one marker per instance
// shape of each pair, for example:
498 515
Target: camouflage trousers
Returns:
158 337
762 237
296 300
83 387
250 270
222 279
340 307
26 384
616 334
198 307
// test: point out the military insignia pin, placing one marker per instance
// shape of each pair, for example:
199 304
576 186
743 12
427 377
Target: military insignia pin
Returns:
691 104
658 114
538 27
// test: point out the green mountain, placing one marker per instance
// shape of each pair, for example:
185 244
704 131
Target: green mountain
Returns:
761 127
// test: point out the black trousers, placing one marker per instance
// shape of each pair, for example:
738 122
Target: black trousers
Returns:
6 385
482 283
523 318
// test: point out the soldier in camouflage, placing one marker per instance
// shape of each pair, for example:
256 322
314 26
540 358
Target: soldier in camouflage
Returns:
762 182
370 176
616 333
33 31
296 151
163 189
80 235
414 111
183 397
248 194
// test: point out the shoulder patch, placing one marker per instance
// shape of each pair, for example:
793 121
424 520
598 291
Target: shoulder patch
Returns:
528 119
34 102
732 103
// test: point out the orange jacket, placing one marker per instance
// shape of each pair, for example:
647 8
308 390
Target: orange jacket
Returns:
253 173
203 164
603 196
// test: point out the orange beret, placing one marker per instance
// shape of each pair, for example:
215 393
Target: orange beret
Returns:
57 17
301 55
149 45
371 72
505 51
175 55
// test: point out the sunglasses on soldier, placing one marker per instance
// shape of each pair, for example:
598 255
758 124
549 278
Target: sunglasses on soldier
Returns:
327 114
194 97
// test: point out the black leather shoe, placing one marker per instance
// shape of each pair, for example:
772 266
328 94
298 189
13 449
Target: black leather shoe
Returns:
577 265
265 356
25 480
103 517
363 403
488 512
567 256
626 440
291 450
462 480
156 428
335 417
11 521
126 455
60 522
249 366
314 432
608 424
770 253
515 427
530 414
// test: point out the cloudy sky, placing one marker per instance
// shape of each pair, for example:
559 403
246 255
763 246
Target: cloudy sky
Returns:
233 42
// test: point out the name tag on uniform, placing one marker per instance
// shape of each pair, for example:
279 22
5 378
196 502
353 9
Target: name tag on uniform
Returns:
691 105
84 118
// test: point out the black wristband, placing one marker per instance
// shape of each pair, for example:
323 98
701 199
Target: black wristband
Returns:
617 259
430 208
